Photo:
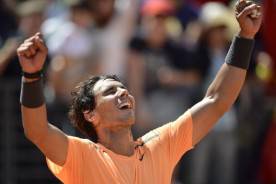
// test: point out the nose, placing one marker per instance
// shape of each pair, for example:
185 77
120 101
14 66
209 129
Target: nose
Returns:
122 92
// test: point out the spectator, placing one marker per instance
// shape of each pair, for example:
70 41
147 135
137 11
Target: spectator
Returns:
69 44
30 19
159 68
114 23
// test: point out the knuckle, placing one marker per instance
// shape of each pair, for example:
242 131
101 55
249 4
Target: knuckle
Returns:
20 49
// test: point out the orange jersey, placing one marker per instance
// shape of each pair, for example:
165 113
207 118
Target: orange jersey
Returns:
152 162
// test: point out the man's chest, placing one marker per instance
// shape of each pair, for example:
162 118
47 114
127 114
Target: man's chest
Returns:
140 170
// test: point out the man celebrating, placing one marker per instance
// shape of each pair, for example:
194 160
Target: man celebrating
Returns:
103 109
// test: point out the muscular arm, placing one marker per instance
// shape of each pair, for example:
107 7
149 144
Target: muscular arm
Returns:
228 82
220 96
49 139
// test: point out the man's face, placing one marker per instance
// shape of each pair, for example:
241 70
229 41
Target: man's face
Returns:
114 104
155 27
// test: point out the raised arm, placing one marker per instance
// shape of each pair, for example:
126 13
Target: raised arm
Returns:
228 82
49 139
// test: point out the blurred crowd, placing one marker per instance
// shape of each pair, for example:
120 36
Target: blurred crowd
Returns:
166 52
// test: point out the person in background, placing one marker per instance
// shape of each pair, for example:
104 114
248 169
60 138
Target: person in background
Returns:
30 18
160 69
113 27
69 45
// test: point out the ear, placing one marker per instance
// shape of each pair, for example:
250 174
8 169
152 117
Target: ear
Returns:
91 116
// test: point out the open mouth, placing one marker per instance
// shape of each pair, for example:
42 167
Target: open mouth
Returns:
124 104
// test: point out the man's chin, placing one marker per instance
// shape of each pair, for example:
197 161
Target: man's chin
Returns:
127 120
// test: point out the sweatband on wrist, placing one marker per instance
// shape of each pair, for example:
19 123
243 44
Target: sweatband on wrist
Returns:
35 75
240 52
31 95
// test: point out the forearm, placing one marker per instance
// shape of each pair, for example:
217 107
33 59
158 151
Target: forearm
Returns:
34 122
229 80
49 139
226 87
34 115
221 94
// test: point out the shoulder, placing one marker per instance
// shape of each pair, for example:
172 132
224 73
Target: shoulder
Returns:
80 143
156 137
79 140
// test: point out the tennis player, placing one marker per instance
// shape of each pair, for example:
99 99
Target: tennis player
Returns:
103 109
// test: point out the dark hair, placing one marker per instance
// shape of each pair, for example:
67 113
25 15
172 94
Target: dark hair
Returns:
84 100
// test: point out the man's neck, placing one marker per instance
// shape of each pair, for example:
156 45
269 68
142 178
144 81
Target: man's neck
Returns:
119 140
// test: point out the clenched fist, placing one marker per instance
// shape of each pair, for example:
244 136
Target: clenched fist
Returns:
32 54
249 16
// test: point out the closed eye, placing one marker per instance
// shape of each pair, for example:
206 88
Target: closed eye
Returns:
110 91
